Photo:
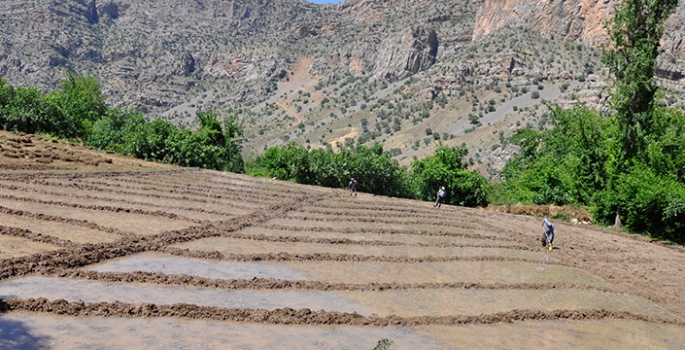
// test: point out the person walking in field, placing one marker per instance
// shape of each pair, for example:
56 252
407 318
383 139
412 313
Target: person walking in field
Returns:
352 186
441 195
548 237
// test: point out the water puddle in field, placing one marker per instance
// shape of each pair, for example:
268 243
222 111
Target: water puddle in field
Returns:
439 272
93 292
563 334
358 272
197 267
31 331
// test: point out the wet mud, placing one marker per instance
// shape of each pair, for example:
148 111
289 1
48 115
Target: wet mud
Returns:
39 331
95 292
361 242
272 283
285 256
238 246
378 239
398 258
306 316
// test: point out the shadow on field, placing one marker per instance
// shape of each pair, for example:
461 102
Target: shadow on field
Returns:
14 335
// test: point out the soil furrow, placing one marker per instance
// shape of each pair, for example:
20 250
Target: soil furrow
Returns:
157 213
385 231
386 207
106 199
362 213
270 283
86 254
24 177
381 220
35 237
150 195
297 239
285 256
75 222
306 316
224 187
207 192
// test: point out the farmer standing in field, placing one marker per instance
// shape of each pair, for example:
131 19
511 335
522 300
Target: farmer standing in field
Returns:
441 195
548 237
352 186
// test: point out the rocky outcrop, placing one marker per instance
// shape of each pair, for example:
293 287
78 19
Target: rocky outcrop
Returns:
188 64
409 52
397 57
579 20
562 20
92 13
111 9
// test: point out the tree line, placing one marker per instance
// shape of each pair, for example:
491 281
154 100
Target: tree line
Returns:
629 167
376 172
77 111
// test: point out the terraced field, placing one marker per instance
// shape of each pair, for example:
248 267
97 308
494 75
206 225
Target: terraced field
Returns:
196 259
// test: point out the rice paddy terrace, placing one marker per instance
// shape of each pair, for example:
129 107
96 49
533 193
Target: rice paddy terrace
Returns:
196 259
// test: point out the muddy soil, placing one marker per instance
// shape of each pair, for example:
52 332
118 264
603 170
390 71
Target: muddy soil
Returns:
257 251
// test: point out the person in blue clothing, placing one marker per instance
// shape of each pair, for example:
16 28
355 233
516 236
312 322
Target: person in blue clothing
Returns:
548 237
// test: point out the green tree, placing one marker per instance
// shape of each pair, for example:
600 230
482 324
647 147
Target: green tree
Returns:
82 100
445 168
635 33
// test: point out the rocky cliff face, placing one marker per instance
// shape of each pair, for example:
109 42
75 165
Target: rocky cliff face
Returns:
562 20
396 57
154 54
409 52
571 20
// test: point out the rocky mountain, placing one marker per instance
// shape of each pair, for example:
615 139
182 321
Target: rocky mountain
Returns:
407 73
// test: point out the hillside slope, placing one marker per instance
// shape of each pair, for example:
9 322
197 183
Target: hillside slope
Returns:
19 151
389 71
198 258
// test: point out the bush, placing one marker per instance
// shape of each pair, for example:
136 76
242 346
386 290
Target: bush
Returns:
445 168
649 203
374 169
